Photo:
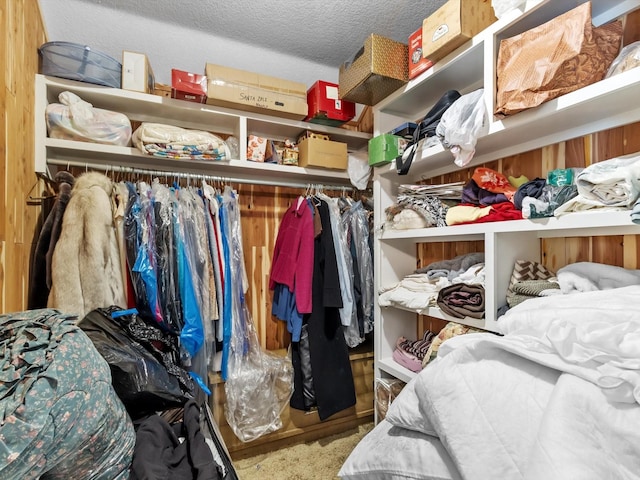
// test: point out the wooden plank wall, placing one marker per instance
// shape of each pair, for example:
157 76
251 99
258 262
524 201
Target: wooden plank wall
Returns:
23 32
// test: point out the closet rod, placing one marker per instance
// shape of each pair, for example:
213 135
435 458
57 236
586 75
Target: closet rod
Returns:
190 175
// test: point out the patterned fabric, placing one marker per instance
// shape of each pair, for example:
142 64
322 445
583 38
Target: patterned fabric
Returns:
450 330
59 415
526 270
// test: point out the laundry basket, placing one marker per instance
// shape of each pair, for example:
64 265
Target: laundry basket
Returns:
79 62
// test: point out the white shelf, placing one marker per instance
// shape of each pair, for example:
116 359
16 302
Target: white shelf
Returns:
391 367
591 223
607 104
61 151
141 107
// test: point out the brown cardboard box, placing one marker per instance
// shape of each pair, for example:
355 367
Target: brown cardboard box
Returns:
456 22
253 92
162 90
378 69
317 152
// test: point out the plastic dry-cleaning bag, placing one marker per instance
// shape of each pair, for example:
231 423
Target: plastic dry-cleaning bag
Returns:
259 383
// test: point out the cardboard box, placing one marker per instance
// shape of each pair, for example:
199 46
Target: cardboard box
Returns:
137 74
188 86
162 90
253 92
326 107
417 62
317 152
453 24
385 148
378 69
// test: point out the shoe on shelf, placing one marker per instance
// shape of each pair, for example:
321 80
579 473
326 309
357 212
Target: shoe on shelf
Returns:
407 360
417 348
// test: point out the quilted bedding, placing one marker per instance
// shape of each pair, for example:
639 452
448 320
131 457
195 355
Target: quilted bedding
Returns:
556 398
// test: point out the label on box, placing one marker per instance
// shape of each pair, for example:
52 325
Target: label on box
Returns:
331 92
417 63
440 32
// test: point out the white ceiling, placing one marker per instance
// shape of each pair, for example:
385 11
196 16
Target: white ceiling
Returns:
295 39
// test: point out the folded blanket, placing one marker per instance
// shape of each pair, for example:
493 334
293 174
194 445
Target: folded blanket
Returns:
414 292
461 300
174 142
612 184
456 264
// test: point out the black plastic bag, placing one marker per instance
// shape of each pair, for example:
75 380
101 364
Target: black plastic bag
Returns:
144 371
426 128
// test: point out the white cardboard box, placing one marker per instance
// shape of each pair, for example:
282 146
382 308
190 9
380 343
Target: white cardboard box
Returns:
136 72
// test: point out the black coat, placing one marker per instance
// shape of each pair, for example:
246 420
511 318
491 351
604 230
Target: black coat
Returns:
330 366
40 282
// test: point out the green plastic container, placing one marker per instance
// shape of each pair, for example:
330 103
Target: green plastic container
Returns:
385 148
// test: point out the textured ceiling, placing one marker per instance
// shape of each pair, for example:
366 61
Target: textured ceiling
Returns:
293 37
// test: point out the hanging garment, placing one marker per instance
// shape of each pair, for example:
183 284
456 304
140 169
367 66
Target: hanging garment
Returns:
192 333
217 254
120 199
85 269
40 283
329 355
146 262
133 245
359 243
345 264
167 258
292 261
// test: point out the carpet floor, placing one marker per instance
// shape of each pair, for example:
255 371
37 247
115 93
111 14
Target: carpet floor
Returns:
317 460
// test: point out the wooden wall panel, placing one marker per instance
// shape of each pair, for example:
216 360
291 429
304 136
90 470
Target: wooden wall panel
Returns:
23 32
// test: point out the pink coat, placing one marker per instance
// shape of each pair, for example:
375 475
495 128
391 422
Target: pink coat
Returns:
292 262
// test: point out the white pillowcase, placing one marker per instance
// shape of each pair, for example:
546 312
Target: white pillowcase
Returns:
405 413
392 453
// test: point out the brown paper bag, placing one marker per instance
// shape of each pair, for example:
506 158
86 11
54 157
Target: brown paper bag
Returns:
558 57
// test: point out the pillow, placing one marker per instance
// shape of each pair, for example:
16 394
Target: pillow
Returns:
392 453
405 413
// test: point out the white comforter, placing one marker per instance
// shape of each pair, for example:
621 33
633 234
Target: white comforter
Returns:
556 398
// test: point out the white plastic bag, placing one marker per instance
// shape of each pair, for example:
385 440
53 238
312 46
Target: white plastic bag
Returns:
628 58
75 119
359 170
500 7
461 126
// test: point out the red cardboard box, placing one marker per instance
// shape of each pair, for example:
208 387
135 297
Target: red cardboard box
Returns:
417 63
188 86
325 106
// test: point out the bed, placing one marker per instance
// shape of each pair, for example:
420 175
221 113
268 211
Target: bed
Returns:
555 398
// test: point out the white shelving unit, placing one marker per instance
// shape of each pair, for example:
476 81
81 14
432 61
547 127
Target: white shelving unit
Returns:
153 108
607 104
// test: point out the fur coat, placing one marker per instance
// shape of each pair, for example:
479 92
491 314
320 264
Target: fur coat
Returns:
86 272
